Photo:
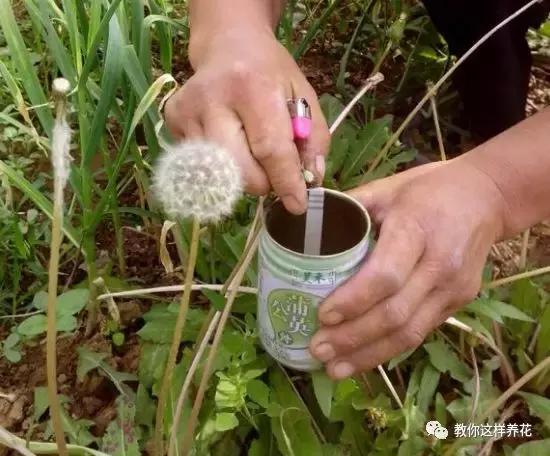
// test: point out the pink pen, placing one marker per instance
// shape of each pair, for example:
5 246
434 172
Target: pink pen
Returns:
300 113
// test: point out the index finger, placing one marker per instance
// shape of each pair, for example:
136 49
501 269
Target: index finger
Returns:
268 128
395 256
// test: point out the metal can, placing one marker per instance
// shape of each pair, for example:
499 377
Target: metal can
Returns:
291 284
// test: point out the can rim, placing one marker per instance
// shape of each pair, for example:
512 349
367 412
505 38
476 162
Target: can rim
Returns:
334 255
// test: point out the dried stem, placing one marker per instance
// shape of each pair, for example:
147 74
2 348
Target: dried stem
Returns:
383 152
189 377
545 363
213 318
464 327
516 277
371 82
60 158
176 340
389 384
167 289
524 247
188 436
440 143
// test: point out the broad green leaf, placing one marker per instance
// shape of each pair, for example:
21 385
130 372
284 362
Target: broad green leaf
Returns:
226 421
440 409
292 428
12 340
145 407
497 309
41 403
535 448
399 359
215 298
121 436
78 430
369 141
159 331
32 326
445 360
88 360
331 107
428 387
460 409
538 406
259 392
230 392
152 360
40 301
66 323
323 388
72 302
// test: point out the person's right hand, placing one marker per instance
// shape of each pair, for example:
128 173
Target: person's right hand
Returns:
237 97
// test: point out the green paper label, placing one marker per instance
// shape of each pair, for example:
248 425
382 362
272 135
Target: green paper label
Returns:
293 316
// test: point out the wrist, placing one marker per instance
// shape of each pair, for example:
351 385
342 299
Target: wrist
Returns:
203 43
498 209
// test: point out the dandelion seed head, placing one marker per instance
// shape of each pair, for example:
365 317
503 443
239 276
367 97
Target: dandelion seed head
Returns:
61 86
197 179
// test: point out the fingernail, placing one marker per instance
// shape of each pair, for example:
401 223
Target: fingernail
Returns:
320 166
331 318
324 352
343 369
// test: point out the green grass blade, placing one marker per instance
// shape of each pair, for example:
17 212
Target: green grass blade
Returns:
315 28
56 47
110 82
158 7
144 48
22 61
17 97
93 23
138 15
144 107
43 203
91 56
70 9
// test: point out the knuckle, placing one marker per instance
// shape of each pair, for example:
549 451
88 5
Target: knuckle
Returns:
240 72
351 340
390 279
267 148
396 316
452 263
411 338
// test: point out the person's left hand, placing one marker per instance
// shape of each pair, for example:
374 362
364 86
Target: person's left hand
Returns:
437 224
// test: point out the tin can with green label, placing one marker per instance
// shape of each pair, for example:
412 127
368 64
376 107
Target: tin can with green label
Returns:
291 284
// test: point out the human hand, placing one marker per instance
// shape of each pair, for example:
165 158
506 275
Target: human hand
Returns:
437 224
238 98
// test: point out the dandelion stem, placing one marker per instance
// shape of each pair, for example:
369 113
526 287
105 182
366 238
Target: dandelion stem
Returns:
60 158
176 340
188 436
